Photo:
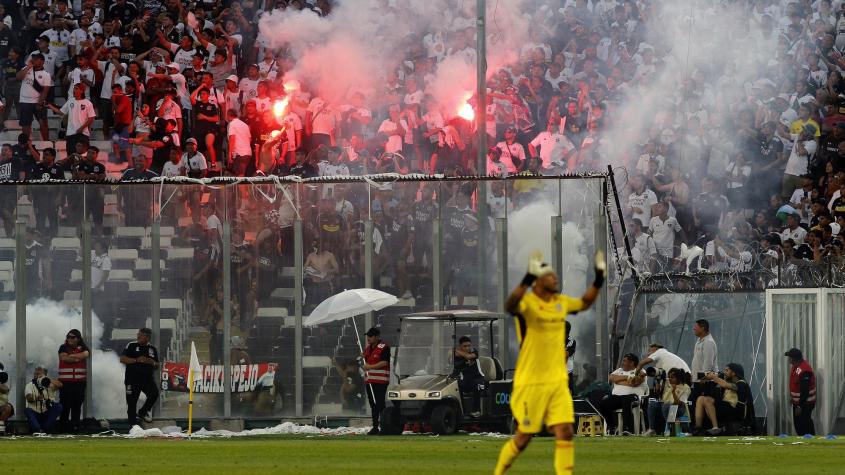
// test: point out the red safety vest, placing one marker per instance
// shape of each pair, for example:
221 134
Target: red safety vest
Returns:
795 383
372 355
72 372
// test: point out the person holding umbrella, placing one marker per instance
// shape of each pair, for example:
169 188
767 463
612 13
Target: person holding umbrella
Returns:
376 363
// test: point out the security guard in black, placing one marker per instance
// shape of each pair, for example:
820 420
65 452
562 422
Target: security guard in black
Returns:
141 360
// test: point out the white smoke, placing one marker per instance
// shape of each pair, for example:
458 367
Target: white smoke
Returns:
529 229
707 56
47 324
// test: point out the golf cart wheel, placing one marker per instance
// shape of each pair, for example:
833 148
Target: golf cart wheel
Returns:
444 420
390 421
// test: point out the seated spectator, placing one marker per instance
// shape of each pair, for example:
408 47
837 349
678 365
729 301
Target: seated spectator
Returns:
675 392
629 384
42 402
732 406
471 381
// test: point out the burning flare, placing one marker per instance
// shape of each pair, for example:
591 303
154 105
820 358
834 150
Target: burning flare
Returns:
467 112
280 107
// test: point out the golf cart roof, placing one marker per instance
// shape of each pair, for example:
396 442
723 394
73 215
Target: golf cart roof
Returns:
457 315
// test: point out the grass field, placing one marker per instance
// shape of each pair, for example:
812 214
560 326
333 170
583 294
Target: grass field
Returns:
416 455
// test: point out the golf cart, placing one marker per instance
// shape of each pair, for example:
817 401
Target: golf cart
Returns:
428 392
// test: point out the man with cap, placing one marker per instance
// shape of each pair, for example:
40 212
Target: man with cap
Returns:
495 167
540 391
513 154
193 162
141 360
232 95
376 364
35 85
802 392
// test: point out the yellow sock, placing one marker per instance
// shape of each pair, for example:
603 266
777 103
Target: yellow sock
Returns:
564 457
507 455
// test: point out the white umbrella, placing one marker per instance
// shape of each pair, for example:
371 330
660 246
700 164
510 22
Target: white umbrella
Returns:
348 304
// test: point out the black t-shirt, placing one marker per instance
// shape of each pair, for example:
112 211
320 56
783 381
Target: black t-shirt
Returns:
139 371
7 40
132 174
95 168
769 151
467 369
9 170
32 260
44 171
26 162
10 68
206 108
162 154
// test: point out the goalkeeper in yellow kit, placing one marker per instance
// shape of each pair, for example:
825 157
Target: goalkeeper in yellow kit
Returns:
540 391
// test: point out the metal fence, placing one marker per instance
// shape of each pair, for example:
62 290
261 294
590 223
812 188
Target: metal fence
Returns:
234 267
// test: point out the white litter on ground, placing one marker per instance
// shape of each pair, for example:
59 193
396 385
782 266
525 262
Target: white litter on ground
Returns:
282 429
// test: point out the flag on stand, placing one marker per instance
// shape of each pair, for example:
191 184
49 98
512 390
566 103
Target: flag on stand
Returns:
194 369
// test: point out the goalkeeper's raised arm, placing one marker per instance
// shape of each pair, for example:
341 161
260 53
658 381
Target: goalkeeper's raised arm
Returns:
544 282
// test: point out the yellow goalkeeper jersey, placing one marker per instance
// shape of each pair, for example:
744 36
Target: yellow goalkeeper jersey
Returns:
540 328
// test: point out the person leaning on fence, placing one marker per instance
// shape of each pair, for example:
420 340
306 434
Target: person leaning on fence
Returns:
141 360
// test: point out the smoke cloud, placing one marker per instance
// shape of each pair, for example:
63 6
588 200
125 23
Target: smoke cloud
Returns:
47 325
363 41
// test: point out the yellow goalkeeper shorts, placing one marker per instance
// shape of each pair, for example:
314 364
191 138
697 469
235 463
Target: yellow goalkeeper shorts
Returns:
536 404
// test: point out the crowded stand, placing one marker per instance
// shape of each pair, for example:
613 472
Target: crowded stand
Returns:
748 174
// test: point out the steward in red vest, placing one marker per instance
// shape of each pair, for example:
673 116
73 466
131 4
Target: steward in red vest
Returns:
73 373
802 392
377 367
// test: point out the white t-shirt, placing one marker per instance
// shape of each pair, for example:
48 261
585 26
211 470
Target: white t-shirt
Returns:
99 266
665 360
643 201
77 75
249 88
240 130
181 90
79 36
181 57
324 118
171 169
59 40
196 162
663 234
77 112
394 140
509 152
797 164
797 235
292 123
553 147
108 68
28 93
620 390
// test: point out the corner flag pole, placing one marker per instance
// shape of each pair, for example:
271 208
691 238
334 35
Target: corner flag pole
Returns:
190 400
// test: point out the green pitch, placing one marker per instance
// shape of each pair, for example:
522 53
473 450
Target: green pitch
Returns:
416 455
